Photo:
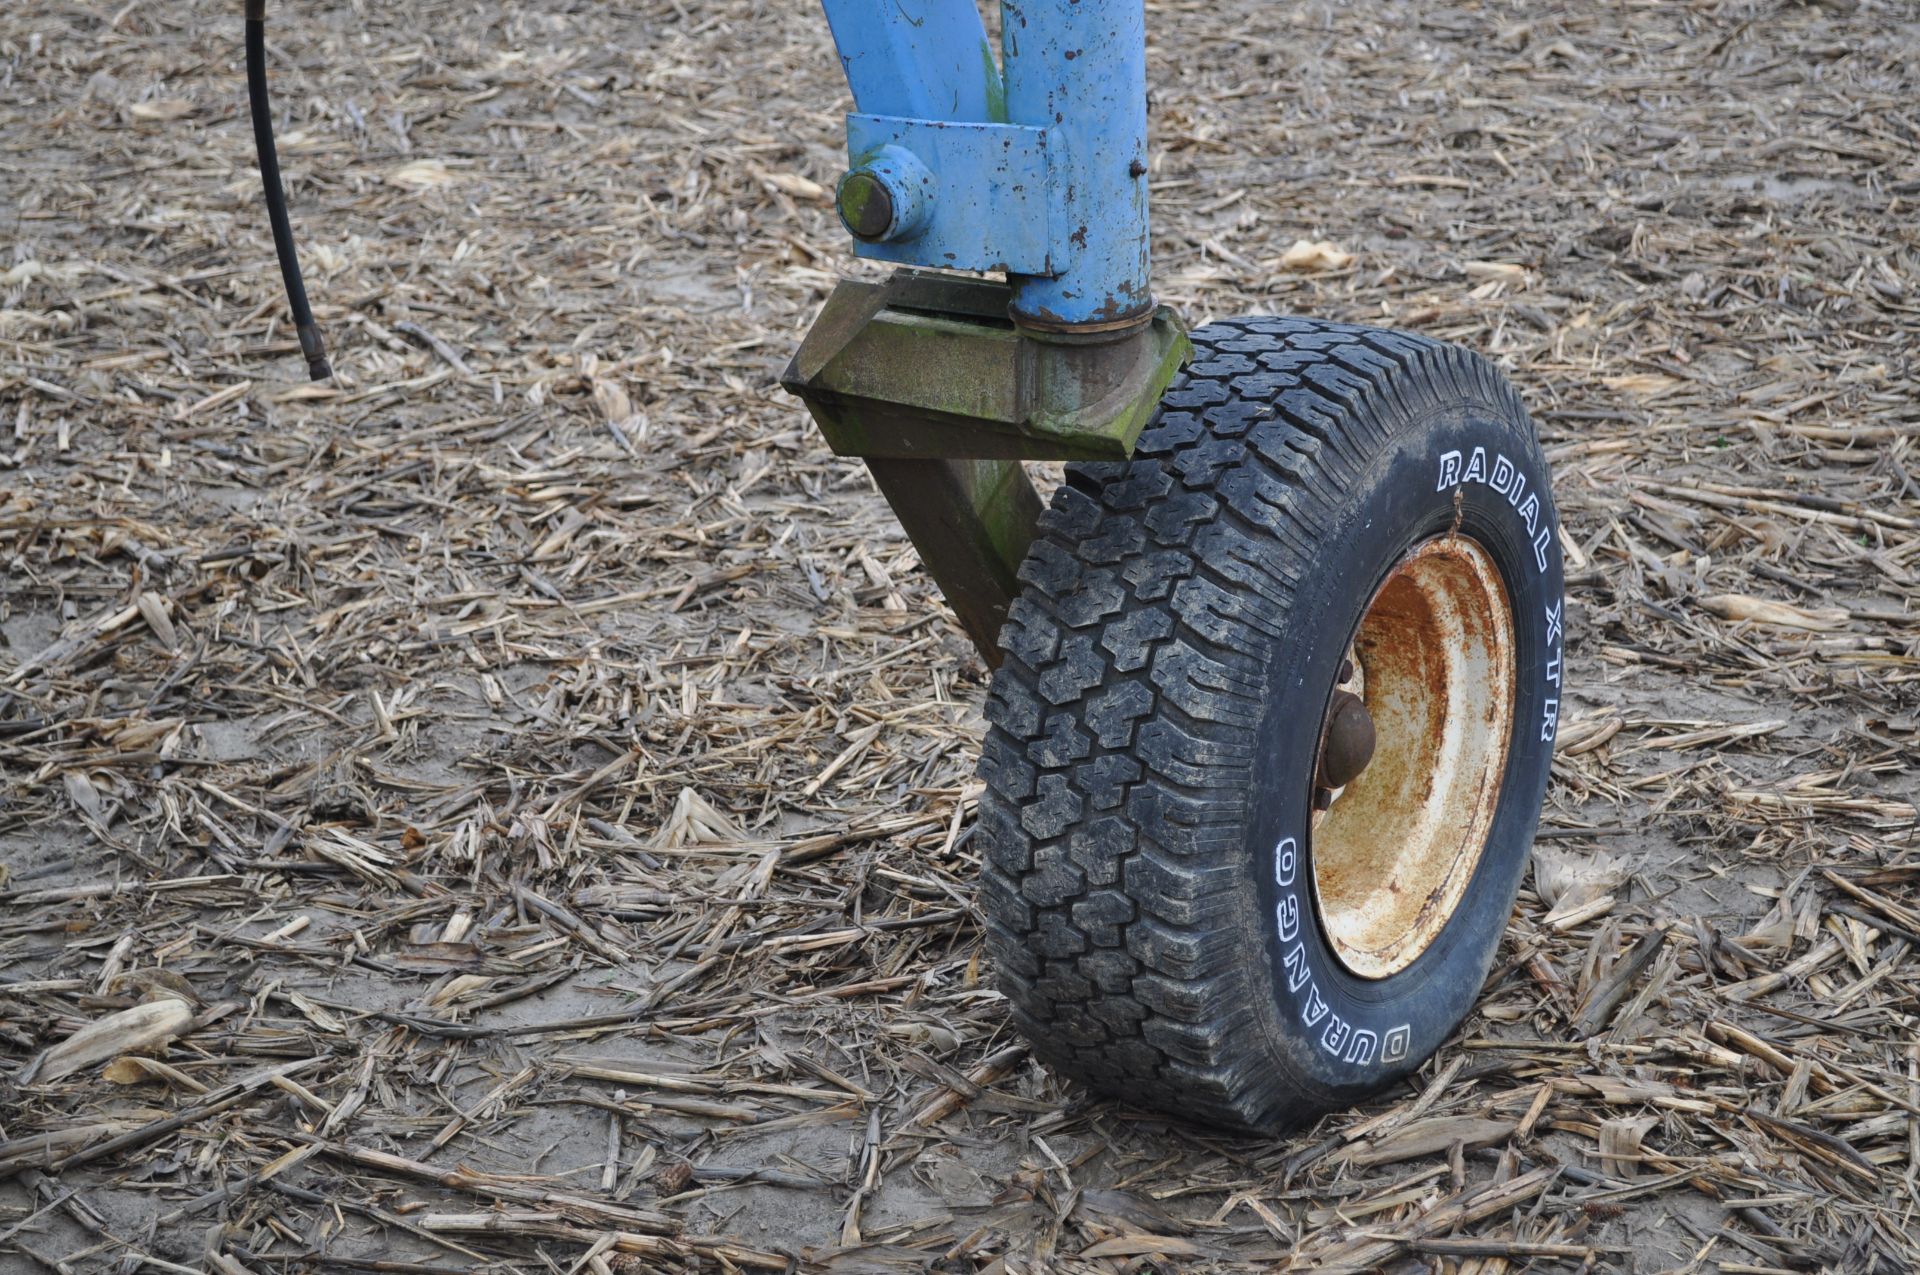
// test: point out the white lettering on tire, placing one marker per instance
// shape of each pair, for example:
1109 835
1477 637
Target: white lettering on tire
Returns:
1505 477
1339 1038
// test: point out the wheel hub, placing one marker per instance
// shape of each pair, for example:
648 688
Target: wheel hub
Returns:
1412 752
1347 745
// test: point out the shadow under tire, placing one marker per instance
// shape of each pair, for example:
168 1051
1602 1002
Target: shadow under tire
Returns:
1183 912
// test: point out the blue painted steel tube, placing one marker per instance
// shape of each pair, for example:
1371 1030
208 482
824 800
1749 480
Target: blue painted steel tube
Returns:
1078 68
918 59
1057 196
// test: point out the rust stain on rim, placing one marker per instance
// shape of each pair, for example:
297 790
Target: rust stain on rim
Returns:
1393 854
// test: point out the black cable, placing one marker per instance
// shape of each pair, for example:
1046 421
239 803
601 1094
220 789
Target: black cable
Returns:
311 345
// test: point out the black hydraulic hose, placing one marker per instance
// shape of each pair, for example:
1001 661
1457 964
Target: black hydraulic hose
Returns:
311 345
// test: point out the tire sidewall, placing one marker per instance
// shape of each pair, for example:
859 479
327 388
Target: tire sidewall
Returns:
1341 1035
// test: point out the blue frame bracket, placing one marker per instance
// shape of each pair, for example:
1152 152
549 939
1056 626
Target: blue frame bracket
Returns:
990 206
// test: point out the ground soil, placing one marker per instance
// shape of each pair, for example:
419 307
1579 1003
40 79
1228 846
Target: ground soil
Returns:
542 748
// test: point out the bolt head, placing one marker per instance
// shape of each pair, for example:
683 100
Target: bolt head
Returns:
866 205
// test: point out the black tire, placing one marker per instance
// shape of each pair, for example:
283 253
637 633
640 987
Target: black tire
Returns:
1155 725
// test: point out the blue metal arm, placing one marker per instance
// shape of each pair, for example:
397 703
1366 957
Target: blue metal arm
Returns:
917 60
1038 171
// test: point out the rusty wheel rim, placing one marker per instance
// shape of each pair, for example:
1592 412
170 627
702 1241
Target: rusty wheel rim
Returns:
1394 849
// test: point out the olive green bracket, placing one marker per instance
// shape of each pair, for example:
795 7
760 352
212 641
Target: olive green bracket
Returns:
928 366
926 378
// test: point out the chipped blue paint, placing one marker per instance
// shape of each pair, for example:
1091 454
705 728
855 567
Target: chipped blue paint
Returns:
1039 171
1078 68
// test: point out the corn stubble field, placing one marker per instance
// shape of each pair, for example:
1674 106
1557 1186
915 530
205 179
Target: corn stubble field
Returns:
510 809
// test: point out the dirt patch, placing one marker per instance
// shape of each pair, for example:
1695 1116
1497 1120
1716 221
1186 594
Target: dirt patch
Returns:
558 762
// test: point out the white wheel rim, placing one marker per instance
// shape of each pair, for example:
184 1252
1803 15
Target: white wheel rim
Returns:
1393 855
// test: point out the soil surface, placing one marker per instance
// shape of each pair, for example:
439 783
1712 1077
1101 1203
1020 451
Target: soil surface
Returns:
509 808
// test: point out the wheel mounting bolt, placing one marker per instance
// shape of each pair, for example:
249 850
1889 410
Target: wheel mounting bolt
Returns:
1348 745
